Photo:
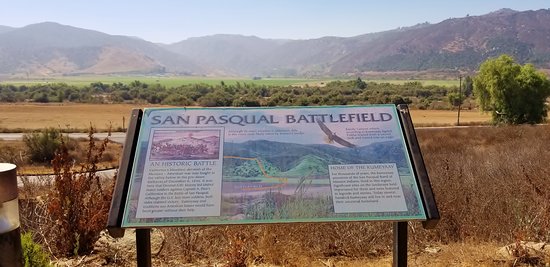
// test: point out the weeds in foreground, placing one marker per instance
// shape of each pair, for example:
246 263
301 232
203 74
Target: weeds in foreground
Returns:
491 183
484 178
79 203
237 252
489 178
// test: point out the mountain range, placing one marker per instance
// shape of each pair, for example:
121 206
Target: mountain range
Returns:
52 49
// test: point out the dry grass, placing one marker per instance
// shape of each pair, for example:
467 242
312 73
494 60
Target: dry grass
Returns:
456 254
448 117
491 185
64 116
20 117
281 244
15 152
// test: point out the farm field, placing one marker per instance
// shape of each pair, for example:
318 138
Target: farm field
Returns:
446 83
71 116
174 81
448 117
168 81
64 116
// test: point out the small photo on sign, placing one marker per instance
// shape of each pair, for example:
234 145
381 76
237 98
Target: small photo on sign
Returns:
185 144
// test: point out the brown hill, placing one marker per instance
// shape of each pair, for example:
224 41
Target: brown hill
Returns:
54 49
451 45
458 43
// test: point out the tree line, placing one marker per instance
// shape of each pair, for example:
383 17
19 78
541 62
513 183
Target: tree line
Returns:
238 95
513 93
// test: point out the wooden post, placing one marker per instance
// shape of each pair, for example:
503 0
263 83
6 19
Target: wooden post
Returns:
459 100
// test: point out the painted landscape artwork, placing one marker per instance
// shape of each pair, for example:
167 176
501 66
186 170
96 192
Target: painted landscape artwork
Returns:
185 145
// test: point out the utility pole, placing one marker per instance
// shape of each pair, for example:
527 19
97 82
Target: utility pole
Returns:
459 99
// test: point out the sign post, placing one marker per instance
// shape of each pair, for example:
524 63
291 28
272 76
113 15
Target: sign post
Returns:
220 166
143 247
400 239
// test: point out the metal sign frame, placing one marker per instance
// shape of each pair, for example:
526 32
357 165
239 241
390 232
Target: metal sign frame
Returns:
123 180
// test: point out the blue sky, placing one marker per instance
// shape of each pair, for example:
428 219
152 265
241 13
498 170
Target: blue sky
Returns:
168 21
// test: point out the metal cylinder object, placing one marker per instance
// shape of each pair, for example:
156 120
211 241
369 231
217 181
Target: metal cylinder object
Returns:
11 253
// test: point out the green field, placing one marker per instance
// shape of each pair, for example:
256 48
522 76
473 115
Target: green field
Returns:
174 81
446 83
168 81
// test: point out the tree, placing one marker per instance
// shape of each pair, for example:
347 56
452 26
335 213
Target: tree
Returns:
41 98
455 99
513 93
360 84
397 100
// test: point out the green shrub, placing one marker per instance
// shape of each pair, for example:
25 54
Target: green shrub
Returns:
33 254
42 145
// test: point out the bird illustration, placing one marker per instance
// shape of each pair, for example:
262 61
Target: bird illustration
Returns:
333 137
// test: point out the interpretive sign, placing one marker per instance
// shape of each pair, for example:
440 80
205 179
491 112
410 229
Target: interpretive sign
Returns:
205 166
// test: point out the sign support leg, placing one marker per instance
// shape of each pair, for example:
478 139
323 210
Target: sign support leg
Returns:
143 247
400 244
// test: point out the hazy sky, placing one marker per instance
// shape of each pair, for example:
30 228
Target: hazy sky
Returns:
169 21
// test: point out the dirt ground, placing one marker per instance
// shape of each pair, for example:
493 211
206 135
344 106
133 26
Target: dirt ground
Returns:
459 254
443 255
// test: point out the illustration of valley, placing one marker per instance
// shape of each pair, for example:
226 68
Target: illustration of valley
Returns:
267 180
185 145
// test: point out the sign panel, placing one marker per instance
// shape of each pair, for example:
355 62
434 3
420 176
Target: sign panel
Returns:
199 166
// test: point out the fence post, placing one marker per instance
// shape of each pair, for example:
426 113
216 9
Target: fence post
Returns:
11 252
